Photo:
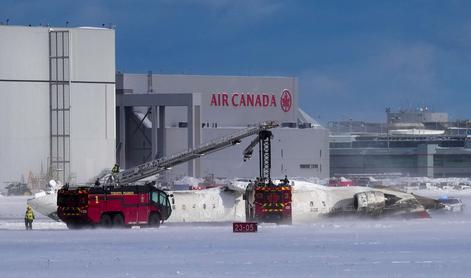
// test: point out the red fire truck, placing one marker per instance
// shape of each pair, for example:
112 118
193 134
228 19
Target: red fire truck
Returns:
266 201
113 206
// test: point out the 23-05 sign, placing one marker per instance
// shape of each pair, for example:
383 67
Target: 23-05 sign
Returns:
244 227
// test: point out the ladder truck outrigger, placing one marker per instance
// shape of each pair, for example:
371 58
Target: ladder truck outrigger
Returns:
120 201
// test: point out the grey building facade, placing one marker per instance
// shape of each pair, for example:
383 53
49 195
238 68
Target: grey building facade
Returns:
188 110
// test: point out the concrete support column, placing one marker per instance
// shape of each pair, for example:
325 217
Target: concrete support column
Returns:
189 120
425 154
197 137
161 134
194 138
121 146
154 132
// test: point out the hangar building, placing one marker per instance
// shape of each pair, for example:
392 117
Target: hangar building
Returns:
194 109
57 89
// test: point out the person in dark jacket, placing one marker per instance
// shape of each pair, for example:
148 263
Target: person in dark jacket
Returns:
285 180
115 169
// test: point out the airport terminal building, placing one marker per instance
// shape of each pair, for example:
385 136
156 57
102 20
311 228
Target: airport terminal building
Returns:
418 143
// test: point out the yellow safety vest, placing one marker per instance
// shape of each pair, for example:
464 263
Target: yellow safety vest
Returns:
29 215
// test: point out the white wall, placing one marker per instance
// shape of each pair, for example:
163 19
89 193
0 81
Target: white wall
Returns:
24 101
93 124
24 53
24 106
92 132
24 129
93 55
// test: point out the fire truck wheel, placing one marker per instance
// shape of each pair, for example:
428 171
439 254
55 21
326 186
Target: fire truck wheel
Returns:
154 220
118 221
105 221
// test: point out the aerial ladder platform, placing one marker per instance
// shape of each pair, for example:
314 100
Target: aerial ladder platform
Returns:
160 165
266 200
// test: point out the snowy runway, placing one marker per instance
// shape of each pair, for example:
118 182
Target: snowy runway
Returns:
342 248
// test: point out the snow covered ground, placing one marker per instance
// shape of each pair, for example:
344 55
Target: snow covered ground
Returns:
335 247
345 247
340 248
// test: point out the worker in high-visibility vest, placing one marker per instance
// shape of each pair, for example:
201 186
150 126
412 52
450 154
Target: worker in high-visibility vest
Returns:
29 217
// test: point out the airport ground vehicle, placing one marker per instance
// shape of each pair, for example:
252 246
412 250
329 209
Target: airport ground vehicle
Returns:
452 204
111 206
17 189
340 181
120 201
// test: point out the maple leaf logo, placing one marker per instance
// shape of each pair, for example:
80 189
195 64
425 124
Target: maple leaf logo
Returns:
286 100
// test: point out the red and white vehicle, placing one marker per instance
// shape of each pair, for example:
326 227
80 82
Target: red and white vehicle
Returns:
269 203
113 206
340 182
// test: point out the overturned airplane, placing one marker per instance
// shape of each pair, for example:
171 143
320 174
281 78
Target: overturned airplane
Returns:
310 202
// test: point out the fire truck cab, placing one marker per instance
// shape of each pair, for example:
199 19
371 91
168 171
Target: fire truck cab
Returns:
113 206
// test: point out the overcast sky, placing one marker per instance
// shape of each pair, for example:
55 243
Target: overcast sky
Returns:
352 58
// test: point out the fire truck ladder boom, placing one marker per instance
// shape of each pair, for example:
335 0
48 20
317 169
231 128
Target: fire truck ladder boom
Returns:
264 141
165 163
